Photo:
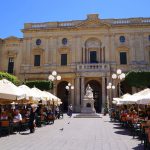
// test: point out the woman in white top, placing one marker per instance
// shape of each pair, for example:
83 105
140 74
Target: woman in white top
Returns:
18 116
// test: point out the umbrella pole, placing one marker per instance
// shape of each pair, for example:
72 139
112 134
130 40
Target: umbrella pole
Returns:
138 109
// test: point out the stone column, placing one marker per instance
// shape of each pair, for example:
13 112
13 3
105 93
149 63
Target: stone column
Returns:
72 52
100 55
82 90
77 94
103 55
112 49
83 54
132 52
24 51
103 93
72 92
50 50
86 53
106 49
28 50
142 48
46 55
78 49
54 50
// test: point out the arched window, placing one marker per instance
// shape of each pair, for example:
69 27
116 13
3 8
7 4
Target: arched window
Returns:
122 39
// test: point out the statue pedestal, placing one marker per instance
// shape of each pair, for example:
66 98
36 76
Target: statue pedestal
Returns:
88 110
88 105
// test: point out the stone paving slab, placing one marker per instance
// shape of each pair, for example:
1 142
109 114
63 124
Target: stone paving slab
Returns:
73 134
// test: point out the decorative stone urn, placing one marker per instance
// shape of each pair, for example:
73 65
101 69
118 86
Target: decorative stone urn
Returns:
88 101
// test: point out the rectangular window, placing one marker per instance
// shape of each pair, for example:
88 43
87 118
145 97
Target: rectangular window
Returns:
123 58
93 57
37 60
11 65
63 59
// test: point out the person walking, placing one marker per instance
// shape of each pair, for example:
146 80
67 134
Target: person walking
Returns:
70 110
32 119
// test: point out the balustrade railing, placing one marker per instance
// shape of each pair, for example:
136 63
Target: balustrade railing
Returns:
93 67
77 22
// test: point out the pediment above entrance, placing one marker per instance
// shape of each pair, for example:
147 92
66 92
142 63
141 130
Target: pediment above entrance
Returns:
64 49
95 23
12 38
12 53
37 50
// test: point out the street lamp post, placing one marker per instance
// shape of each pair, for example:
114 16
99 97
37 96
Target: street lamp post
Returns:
69 87
110 87
54 77
118 76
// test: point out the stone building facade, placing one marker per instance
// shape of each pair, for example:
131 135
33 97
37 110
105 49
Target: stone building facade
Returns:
82 51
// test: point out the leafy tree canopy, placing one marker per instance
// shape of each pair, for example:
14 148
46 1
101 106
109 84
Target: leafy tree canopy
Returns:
40 84
138 79
12 78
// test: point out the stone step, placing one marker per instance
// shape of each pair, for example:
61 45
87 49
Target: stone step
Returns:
87 116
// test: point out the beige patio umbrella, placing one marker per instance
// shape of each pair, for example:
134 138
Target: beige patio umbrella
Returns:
145 98
30 96
138 96
10 92
39 95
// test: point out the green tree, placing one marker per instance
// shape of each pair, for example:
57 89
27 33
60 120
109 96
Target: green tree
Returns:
12 78
138 79
40 84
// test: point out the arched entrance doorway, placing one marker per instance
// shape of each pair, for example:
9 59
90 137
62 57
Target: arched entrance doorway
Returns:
63 95
97 93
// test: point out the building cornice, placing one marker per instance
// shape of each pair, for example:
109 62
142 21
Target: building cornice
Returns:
92 21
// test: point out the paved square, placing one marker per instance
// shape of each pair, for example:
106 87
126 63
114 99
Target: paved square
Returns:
73 134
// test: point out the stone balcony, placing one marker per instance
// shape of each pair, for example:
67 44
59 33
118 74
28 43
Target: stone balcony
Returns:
82 68
96 67
45 69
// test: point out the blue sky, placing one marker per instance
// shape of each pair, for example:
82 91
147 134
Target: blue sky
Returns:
14 13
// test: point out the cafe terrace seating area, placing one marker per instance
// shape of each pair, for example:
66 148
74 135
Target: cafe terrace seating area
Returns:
16 103
133 114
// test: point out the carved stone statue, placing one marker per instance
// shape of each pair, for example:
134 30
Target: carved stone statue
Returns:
88 101
89 92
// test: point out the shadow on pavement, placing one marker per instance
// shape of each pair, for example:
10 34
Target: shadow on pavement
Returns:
118 127
123 132
139 147
25 133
